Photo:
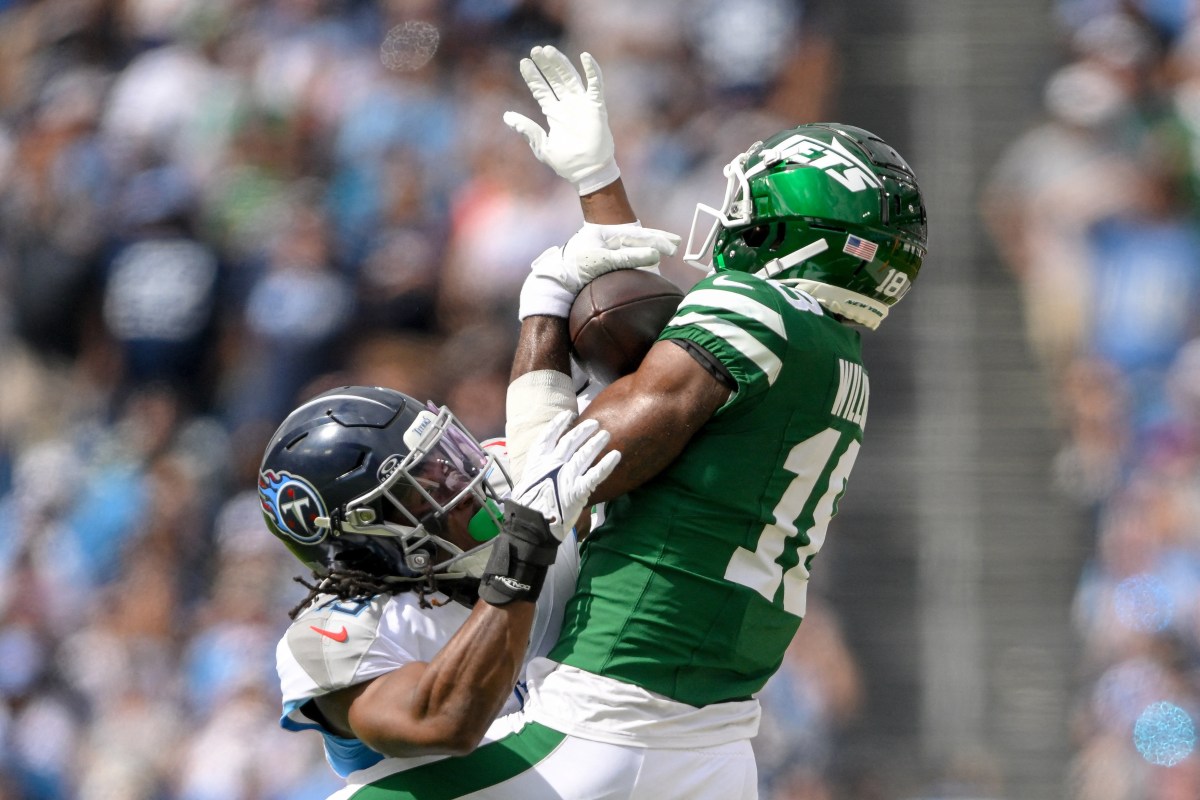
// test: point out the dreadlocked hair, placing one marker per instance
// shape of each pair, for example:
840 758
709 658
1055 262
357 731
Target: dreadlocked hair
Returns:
353 584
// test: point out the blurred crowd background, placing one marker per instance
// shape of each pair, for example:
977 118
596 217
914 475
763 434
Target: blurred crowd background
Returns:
211 209
1094 209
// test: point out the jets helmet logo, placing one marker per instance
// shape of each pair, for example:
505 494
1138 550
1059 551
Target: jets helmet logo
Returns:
293 505
834 158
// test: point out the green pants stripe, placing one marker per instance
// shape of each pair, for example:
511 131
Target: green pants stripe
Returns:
491 764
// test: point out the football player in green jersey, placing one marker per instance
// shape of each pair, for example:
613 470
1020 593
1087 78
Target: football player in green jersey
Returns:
739 432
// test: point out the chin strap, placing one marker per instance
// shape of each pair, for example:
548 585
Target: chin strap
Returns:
778 265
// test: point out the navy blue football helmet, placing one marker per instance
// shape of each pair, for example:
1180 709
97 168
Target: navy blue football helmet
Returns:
366 478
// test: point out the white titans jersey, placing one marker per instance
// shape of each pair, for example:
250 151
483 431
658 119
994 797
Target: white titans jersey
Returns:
334 644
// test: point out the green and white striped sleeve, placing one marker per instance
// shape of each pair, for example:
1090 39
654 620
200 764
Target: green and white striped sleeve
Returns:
737 319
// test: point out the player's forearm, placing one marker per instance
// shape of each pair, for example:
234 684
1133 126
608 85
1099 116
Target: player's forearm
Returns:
461 690
542 344
608 206
540 385
648 447
469 680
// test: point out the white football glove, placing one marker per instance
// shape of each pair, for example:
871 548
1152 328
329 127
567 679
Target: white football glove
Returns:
579 144
559 474
560 272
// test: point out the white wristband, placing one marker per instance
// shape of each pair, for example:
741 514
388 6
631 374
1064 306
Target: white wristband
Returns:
533 400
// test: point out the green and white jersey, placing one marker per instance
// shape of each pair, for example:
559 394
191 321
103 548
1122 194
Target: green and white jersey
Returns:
695 583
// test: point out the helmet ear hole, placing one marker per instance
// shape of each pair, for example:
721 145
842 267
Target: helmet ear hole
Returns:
361 559
755 235
770 236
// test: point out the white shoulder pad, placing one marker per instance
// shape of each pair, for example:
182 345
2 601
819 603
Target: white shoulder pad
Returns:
331 638
337 643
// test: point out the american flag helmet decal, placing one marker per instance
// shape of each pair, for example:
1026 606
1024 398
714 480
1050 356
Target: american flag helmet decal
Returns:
859 247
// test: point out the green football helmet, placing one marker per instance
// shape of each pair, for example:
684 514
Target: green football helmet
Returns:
828 208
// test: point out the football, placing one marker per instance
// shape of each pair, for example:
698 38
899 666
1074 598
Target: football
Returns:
616 318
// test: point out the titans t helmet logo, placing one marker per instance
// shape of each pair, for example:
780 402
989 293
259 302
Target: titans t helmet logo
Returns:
292 505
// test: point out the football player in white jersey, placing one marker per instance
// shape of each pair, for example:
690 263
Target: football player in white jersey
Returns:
434 581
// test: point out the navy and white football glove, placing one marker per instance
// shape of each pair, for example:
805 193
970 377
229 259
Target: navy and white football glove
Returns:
559 473
544 506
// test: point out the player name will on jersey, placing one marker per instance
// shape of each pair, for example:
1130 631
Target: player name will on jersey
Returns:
853 390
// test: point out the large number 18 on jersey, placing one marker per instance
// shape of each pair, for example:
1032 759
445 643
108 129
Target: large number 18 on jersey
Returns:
695 584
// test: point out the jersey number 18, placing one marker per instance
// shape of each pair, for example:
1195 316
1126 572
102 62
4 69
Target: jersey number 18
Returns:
818 467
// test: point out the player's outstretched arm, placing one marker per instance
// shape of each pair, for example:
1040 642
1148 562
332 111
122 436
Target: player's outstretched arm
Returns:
577 142
608 205
650 414
578 146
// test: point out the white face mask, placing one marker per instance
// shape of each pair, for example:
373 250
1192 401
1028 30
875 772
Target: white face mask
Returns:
698 252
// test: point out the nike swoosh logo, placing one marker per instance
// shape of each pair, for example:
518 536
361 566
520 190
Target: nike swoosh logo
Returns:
339 636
